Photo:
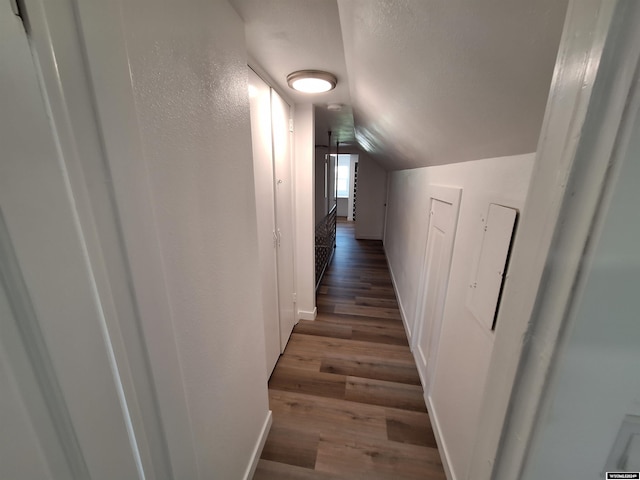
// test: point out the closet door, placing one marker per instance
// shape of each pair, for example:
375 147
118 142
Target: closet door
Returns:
443 220
260 101
280 114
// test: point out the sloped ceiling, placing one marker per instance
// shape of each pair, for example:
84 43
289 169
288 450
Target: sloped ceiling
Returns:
288 35
430 82
435 82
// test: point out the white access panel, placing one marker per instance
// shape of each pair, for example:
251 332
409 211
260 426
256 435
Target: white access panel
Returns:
486 284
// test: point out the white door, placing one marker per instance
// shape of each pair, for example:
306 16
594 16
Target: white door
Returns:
260 102
274 207
62 410
280 115
441 232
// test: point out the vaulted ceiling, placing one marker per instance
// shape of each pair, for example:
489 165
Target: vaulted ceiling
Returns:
424 82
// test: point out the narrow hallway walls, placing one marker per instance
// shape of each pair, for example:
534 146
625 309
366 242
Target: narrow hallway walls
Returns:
171 97
371 198
304 174
465 345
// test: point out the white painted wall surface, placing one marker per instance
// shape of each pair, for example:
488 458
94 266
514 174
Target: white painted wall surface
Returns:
594 378
176 159
343 206
371 196
465 346
304 154
189 77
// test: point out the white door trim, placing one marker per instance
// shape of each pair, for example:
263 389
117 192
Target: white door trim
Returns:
54 281
76 100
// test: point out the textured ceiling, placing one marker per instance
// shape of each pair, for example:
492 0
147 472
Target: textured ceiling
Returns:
288 35
429 82
339 123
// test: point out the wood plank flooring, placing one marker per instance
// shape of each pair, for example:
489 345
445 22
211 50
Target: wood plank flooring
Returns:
345 395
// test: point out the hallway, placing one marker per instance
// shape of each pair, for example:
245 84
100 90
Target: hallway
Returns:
346 396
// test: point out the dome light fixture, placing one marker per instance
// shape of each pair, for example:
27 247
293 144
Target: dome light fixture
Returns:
312 81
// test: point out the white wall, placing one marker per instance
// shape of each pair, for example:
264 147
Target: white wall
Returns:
594 381
465 345
370 198
175 160
304 153
343 206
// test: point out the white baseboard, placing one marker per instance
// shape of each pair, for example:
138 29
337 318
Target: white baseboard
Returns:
306 315
442 446
403 315
257 451
433 416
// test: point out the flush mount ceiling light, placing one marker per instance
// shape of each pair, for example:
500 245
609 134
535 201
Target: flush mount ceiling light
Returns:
312 81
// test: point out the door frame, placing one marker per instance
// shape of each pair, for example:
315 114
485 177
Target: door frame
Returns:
149 371
104 343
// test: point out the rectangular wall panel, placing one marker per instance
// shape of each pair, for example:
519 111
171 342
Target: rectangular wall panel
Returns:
486 285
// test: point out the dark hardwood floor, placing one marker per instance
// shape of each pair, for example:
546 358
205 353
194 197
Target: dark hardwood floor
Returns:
345 395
